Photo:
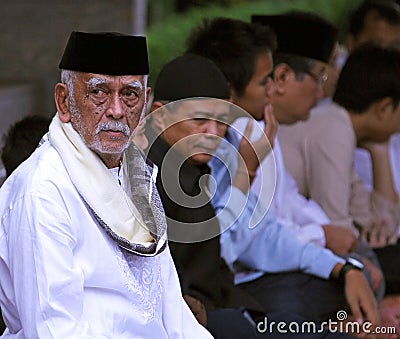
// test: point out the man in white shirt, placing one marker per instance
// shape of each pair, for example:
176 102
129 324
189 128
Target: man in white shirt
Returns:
82 236
377 21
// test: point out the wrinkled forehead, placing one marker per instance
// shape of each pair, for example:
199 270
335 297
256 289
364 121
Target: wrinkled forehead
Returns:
200 107
92 80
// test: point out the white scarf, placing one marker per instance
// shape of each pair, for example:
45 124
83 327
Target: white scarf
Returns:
111 205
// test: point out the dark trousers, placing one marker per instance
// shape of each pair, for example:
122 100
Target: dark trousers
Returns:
389 259
308 296
2 325
232 323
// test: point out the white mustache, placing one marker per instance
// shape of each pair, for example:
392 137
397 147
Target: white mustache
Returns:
116 126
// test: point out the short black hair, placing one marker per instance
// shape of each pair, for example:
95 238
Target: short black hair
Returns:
371 73
297 63
21 140
233 45
389 11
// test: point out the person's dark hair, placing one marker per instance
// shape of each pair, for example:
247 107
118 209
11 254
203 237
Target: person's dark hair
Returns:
371 73
389 11
300 65
233 45
21 140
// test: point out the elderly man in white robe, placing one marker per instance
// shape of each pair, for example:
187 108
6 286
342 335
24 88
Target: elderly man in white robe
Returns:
83 251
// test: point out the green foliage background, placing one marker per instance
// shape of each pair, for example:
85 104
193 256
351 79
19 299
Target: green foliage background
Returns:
166 39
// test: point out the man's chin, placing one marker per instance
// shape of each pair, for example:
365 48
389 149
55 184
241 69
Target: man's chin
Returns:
109 149
303 117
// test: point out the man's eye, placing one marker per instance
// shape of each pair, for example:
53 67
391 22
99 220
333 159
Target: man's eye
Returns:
98 95
131 93
200 119
130 97
265 80
98 92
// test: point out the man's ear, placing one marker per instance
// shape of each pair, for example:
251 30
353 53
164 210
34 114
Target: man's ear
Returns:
62 102
157 116
282 73
148 92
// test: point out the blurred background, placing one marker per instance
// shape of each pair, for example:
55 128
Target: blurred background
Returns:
33 34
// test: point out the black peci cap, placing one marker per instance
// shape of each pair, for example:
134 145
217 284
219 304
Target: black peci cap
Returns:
107 53
303 34
189 76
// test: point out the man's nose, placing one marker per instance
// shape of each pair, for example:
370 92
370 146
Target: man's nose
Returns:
212 127
115 108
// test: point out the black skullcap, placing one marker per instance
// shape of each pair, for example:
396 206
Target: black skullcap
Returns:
106 53
188 76
302 34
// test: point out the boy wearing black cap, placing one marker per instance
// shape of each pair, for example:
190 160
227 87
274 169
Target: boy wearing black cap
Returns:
82 238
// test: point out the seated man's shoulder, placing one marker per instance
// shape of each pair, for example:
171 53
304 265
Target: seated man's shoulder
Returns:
326 115
325 122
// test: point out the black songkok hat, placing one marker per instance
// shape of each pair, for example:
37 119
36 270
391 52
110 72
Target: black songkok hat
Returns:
108 53
189 76
302 34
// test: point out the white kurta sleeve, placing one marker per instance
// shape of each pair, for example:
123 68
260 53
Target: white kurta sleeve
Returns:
48 284
178 319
